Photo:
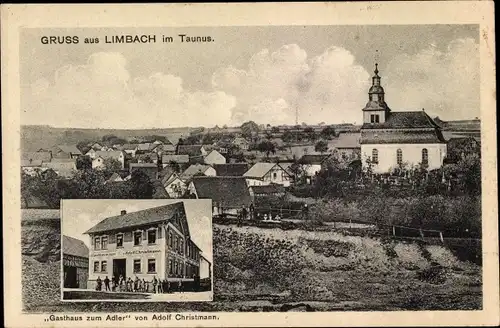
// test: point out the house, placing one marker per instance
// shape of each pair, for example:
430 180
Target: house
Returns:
143 148
228 194
31 167
130 149
267 173
196 153
311 164
155 242
460 148
165 149
101 156
96 146
92 153
214 157
62 169
174 185
392 139
241 142
75 263
230 170
43 156
347 146
197 169
115 177
159 191
266 191
179 159
300 150
65 151
150 169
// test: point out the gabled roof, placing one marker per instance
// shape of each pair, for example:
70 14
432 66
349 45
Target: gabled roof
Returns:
181 159
115 177
151 155
70 149
193 169
33 163
44 156
40 214
228 192
414 136
404 120
139 218
166 147
313 159
232 170
63 160
144 165
108 154
65 169
143 146
75 247
259 170
191 150
128 147
159 190
346 140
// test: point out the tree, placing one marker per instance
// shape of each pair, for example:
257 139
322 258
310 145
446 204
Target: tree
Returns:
83 146
175 166
249 128
327 133
310 134
89 184
112 165
208 139
266 147
140 185
275 129
83 163
321 146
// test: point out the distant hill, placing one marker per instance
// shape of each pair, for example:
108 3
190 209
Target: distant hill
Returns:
34 137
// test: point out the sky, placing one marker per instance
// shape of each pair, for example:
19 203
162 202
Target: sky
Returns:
264 74
79 215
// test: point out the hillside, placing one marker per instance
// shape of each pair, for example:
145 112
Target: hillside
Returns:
258 269
34 137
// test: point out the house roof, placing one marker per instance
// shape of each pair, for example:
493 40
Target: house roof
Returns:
151 155
413 136
44 156
233 170
143 165
40 214
229 192
166 147
313 159
170 178
75 247
115 177
143 146
128 147
191 150
269 189
63 160
108 154
193 169
65 169
181 159
239 140
259 170
32 163
346 140
139 218
159 190
70 149
404 120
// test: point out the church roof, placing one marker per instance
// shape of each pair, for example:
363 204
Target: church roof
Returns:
415 136
404 120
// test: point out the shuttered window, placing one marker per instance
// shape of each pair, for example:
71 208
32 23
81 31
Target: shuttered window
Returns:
425 156
399 156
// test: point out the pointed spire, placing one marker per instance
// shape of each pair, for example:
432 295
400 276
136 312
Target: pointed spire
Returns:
376 69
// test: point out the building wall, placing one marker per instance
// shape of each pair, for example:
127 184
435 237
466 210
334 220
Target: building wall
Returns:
210 172
276 175
215 158
176 188
311 169
412 155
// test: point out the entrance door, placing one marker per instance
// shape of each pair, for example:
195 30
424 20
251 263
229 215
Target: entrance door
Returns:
120 268
70 277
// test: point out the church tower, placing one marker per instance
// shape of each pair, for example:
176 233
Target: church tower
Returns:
376 110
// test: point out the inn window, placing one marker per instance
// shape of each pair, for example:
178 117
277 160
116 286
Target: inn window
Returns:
151 266
170 239
137 238
375 156
104 242
275 175
97 243
137 266
104 266
119 240
425 156
399 156
176 243
152 236
96 266
181 247
171 267
374 118
176 267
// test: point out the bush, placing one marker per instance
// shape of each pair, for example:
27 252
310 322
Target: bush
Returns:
435 274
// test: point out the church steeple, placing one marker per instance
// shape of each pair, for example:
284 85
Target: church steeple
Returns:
376 101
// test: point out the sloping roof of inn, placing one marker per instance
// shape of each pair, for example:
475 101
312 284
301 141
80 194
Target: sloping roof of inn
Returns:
139 218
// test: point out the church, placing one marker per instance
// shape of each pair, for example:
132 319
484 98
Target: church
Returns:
395 139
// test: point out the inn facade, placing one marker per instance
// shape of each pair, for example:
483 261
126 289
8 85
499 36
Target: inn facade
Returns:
154 242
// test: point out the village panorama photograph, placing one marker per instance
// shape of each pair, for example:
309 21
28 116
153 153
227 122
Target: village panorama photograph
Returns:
342 165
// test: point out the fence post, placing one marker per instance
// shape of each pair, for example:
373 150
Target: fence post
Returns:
393 230
421 233
441 236
350 223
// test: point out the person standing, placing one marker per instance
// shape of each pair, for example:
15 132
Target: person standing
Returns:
136 284
99 284
155 282
180 286
106 284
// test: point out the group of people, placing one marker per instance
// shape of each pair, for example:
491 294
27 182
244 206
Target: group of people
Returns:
139 285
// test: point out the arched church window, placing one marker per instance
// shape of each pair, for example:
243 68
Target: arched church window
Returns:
425 156
375 156
399 156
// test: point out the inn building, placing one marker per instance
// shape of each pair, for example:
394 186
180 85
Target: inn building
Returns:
154 242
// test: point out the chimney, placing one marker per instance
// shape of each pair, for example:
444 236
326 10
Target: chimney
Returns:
123 212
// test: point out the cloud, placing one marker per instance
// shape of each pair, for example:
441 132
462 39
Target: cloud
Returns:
102 94
444 82
330 87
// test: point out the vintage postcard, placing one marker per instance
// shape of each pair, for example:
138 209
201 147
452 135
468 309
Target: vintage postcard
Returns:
200 164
